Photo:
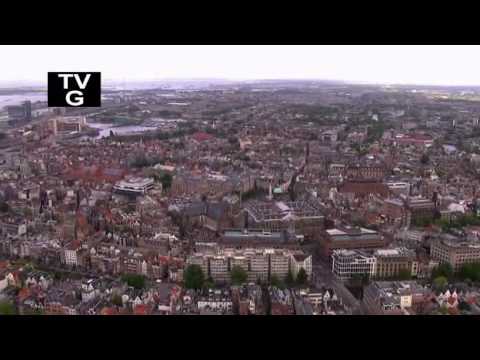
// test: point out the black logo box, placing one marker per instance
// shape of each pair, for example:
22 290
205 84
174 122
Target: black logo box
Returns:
57 94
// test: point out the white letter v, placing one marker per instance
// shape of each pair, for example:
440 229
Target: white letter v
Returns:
84 84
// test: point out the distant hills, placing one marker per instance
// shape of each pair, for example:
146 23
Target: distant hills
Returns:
208 83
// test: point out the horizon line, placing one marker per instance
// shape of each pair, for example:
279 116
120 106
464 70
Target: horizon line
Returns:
42 83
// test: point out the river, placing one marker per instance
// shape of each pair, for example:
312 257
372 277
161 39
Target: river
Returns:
16 99
120 130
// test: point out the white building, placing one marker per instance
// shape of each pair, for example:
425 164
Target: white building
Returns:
399 187
348 263
299 261
71 254
3 283
134 186
88 291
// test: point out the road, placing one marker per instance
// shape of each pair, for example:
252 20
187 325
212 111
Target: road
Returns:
324 277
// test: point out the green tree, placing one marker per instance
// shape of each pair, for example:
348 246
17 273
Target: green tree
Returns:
464 306
239 275
404 274
422 221
290 281
7 308
117 300
194 277
470 271
4 207
135 280
444 270
166 181
440 282
209 283
424 159
233 141
275 281
302 277
34 312
443 310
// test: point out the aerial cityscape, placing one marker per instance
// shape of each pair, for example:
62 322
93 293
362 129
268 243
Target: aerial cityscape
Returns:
266 196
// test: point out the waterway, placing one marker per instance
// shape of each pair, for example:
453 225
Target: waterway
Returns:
119 130
16 99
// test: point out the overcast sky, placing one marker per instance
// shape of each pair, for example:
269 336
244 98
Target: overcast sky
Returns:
436 65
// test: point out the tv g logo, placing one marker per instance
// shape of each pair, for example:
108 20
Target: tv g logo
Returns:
74 89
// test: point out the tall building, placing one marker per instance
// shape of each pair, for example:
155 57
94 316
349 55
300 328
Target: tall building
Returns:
20 113
27 106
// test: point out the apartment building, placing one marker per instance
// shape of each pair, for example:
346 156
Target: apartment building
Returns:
365 171
240 261
220 269
259 264
300 261
455 251
200 260
279 264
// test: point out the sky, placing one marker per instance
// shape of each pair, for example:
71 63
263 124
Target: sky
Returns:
386 64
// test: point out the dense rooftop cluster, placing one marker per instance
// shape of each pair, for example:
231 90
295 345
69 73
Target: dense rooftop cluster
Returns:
266 198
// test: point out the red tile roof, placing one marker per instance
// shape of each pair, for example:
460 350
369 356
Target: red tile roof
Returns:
109 311
202 136
364 188
141 309
23 294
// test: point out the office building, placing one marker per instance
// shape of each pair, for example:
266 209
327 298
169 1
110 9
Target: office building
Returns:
393 262
259 238
20 113
303 217
350 237
347 264
455 251
133 186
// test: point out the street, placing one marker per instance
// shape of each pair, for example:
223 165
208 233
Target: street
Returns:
324 277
